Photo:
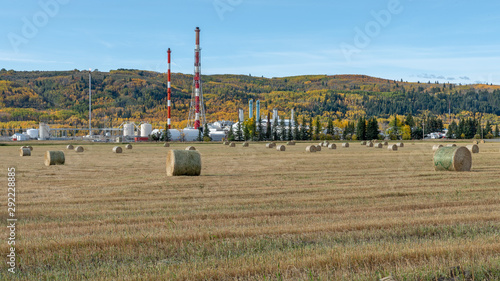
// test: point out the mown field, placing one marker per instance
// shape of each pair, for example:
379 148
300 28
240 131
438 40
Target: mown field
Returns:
254 214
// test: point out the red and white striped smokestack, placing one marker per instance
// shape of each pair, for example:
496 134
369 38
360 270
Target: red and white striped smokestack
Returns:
169 91
197 82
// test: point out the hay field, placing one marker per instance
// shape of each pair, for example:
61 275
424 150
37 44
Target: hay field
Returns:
353 213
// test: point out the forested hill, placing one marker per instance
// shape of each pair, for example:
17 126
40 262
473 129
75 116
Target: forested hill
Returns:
61 97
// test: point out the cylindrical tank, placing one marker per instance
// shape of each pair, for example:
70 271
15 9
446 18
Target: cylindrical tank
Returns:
32 133
44 131
217 135
190 134
128 130
175 135
146 130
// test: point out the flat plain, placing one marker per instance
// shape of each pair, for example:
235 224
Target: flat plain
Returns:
353 213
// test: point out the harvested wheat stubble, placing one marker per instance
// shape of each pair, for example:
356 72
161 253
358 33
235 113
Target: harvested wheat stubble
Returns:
318 147
245 144
69 147
400 144
473 148
270 145
311 148
345 145
128 146
332 146
451 145
379 145
24 151
79 149
117 149
166 144
452 159
369 144
280 148
363 143
392 147
386 143
436 147
54 158
183 163
290 143
232 144
191 148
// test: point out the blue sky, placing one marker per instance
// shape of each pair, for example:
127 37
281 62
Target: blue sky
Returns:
415 40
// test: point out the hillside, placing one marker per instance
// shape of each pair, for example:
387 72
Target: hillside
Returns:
61 97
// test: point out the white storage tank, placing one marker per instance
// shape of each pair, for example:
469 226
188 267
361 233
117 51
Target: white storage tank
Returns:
146 130
175 135
44 132
128 130
190 134
32 133
217 135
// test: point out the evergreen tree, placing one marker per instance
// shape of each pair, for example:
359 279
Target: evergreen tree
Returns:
409 121
289 131
310 131
246 133
230 134
260 131
239 132
200 134
329 127
497 132
268 127
274 129
317 128
296 132
361 130
283 135
167 136
452 130
372 131
303 129
206 133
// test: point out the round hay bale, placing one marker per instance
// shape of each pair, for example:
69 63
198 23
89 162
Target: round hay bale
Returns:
280 148
79 149
166 144
363 143
232 144
270 145
482 141
332 146
452 159
54 158
392 147
400 144
128 146
290 143
475 142
70 147
24 151
226 143
117 149
183 163
311 148
386 143
325 144
245 144
193 148
379 145
451 145
318 147
30 147
436 147
473 148
345 145
369 144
